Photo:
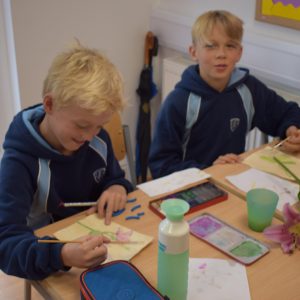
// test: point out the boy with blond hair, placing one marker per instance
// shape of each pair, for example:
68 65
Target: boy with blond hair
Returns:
58 152
206 118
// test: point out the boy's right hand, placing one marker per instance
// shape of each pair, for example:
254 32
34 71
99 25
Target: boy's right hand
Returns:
292 144
91 252
229 158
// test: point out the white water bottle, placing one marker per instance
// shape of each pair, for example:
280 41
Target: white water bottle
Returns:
173 250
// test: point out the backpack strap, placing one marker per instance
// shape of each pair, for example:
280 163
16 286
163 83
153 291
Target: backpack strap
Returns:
193 108
99 146
38 215
192 112
247 102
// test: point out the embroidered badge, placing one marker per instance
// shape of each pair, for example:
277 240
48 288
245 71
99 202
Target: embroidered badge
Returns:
98 174
234 124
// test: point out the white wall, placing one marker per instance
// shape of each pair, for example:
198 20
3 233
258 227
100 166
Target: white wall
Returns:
271 52
9 90
44 28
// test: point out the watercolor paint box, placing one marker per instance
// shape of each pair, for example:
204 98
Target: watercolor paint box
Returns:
198 197
227 239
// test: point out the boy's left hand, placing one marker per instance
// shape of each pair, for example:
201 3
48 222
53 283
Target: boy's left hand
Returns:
292 145
112 199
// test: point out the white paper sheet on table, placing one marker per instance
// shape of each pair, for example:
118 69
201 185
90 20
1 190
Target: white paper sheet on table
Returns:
253 178
217 279
172 182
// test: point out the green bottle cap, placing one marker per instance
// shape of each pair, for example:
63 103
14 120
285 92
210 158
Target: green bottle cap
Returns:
175 209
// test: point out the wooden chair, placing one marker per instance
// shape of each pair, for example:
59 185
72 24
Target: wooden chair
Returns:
120 137
115 130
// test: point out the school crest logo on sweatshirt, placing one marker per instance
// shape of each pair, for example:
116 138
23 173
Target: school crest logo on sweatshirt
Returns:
234 124
98 174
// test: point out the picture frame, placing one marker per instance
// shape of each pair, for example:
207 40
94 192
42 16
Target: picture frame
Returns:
275 12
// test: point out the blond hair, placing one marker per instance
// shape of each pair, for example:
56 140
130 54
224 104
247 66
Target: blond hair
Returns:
205 23
84 77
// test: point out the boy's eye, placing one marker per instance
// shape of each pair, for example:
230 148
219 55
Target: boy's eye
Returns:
88 127
81 126
233 46
210 46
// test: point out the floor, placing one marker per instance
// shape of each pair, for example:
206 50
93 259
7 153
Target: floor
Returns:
12 288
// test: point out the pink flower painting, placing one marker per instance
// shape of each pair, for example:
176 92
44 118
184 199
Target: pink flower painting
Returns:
123 236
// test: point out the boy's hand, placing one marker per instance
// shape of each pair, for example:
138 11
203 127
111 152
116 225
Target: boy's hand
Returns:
112 199
229 158
292 145
91 252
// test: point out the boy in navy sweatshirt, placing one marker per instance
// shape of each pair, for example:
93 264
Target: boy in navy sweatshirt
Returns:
58 152
206 118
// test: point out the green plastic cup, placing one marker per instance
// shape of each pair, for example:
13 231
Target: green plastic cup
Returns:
261 204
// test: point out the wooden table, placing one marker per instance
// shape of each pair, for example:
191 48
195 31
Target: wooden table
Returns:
219 173
275 276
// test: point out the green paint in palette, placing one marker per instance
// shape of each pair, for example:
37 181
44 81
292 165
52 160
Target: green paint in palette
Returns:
227 238
247 249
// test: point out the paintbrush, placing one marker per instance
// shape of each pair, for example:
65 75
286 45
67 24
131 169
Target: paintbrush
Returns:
80 242
281 143
79 204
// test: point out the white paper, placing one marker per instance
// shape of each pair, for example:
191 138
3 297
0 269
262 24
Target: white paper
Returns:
172 182
217 279
253 178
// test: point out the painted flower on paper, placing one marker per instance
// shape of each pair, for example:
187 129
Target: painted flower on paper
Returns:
123 236
288 233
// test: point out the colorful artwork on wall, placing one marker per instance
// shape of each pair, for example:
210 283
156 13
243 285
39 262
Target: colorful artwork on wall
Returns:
280 12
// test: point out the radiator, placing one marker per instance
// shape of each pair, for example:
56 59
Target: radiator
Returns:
171 74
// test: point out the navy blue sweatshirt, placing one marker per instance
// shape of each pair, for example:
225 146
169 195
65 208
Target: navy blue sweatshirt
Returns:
221 126
34 180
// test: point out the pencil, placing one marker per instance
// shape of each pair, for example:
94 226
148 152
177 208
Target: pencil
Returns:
80 242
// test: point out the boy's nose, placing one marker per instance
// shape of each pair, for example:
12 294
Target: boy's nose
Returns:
220 52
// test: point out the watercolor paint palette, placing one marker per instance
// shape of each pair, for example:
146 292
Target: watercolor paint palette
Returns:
228 239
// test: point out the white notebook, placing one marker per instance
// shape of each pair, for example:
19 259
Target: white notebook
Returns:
172 182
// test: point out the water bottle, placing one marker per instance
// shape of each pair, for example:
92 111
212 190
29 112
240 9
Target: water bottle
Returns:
173 250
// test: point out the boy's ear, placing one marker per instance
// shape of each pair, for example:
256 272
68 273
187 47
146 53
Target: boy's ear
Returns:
240 54
48 104
192 51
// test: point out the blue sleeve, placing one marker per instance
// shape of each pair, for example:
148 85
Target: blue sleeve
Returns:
20 253
273 114
114 174
166 154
